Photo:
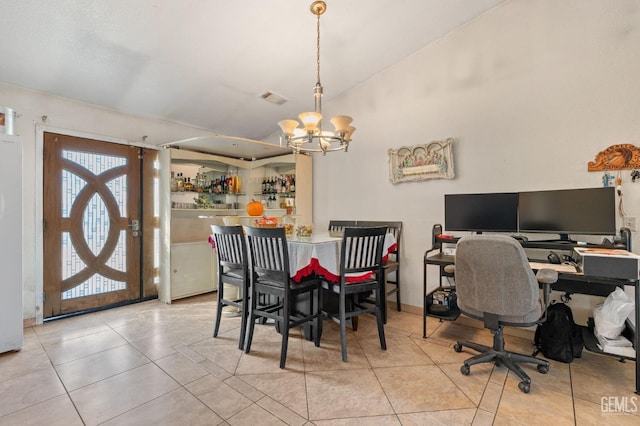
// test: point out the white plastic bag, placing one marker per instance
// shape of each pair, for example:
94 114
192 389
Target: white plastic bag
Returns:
609 317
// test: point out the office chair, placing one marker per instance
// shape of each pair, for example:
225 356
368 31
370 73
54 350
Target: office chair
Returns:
495 284
269 268
361 252
231 252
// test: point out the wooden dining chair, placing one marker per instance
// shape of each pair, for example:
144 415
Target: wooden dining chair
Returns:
361 252
391 266
269 268
339 225
231 253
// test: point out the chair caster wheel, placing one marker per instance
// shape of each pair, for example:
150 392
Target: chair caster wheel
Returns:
544 369
465 370
457 347
497 364
524 387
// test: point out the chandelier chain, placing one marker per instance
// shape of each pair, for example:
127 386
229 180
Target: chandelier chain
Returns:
318 48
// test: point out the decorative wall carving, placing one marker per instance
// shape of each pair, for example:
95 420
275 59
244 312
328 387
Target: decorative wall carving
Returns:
616 157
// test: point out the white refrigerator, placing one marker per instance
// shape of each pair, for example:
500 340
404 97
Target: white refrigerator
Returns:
11 334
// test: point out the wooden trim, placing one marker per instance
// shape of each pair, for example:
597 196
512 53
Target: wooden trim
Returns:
616 157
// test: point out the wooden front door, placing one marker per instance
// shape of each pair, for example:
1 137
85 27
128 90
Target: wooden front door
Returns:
93 240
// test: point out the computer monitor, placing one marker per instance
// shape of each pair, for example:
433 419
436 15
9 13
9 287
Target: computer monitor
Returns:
491 212
589 211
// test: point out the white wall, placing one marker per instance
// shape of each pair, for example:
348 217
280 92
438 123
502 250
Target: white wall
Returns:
531 91
65 115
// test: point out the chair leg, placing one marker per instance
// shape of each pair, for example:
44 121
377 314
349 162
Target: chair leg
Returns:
343 326
245 314
219 309
250 325
319 317
490 355
383 301
517 370
398 306
383 342
285 343
284 329
475 346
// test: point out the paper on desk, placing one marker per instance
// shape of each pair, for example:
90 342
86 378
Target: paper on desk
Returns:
565 268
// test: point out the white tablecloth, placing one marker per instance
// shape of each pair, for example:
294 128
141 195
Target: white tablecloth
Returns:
320 254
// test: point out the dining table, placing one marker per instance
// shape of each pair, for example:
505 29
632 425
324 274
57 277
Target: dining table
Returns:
319 255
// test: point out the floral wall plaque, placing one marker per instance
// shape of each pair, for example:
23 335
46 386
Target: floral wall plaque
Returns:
421 162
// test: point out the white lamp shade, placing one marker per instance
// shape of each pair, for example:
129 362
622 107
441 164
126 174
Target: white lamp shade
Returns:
341 122
350 130
288 126
298 132
310 120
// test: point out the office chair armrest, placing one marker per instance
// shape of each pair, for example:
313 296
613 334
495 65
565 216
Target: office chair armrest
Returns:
546 277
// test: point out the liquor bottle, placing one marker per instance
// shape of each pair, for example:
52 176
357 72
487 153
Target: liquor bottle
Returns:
277 186
292 188
236 184
180 183
188 185
174 182
229 185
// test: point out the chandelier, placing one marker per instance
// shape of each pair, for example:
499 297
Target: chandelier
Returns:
311 137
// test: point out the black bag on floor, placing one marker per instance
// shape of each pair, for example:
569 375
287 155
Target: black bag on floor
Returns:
559 337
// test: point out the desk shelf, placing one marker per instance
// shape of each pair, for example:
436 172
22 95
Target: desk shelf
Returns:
569 283
450 315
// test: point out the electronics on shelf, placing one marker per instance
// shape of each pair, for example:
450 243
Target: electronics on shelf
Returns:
491 212
588 211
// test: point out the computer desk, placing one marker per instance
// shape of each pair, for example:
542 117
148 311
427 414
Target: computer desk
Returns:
567 282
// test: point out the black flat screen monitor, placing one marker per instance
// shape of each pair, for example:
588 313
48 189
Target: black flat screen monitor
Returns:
494 212
590 211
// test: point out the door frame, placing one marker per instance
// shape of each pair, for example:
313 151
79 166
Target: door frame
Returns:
39 193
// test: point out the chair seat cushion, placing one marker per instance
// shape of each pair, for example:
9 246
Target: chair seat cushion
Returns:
357 287
233 273
275 281
530 318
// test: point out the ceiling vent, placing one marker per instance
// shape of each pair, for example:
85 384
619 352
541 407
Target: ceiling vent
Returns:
273 98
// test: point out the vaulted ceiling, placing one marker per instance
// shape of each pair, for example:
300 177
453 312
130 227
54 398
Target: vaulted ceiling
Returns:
206 63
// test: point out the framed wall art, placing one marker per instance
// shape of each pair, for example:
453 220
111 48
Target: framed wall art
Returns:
421 162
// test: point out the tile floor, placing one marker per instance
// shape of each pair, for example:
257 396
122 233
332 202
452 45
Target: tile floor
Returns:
157 364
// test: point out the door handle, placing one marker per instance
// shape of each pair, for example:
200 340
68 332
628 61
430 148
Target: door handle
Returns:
135 227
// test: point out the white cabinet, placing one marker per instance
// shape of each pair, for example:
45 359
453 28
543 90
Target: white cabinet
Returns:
187 262
193 269
11 334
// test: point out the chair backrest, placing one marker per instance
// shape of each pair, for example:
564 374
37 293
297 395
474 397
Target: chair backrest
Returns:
231 248
339 225
493 276
394 228
268 252
362 250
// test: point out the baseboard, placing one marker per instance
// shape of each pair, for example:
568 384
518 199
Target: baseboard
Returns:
522 332
28 322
